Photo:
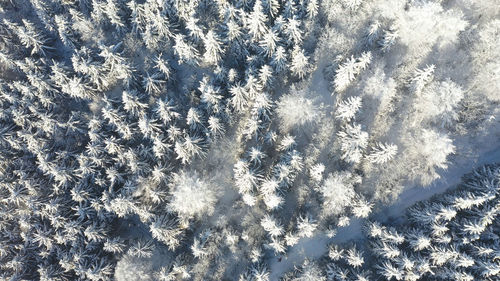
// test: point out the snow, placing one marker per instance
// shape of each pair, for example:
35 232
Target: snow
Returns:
450 179
317 246
313 248
472 151
262 94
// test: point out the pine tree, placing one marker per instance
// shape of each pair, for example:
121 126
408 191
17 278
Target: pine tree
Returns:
418 240
352 4
29 36
166 230
421 78
346 110
389 271
213 48
141 249
260 273
114 245
256 21
273 201
188 148
316 172
362 208
373 33
348 70
300 64
388 39
239 99
64 31
338 192
277 245
382 153
279 59
246 178
306 226
271 226
153 83
293 30
312 8
309 271
354 257
353 142
215 126
132 104
190 196
185 52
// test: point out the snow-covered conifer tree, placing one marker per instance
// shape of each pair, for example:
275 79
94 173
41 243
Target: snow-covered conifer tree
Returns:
213 48
382 153
185 52
347 109
338 192
353 142
191 196
348 70
300 64
257 21
421 78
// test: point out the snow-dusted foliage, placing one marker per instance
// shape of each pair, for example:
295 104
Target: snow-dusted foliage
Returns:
349 69
191 196
338 191
133 268
296 110
216 140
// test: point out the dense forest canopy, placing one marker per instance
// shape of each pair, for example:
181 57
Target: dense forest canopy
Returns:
238 140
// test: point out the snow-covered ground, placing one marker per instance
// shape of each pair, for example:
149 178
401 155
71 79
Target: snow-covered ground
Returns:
450 179
313 248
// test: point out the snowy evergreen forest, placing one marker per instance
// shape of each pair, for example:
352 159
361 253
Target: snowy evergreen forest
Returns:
249 140
453 236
